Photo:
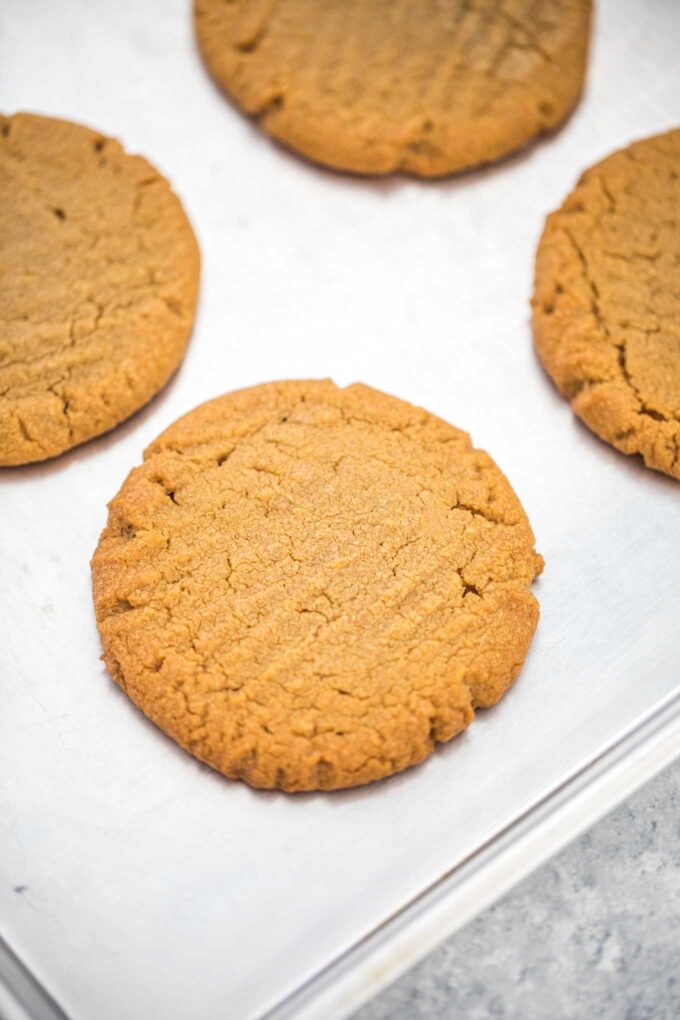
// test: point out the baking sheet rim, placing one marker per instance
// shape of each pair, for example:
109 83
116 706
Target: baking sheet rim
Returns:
638 754
457 896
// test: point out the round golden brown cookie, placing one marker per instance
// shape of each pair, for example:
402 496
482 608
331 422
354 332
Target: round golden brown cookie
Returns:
378 86
98 281
307 587
606 307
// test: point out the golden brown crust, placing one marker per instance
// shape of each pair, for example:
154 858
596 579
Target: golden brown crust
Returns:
98 281
308 587
606 307
378 86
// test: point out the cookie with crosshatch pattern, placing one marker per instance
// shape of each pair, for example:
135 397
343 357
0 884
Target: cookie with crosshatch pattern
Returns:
99 274
379 86
308 587
606 307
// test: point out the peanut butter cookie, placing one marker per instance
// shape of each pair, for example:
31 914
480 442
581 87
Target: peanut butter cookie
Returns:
98 280
307 587
377 86
606 308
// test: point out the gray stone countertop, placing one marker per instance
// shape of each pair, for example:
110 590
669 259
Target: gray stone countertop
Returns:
592 935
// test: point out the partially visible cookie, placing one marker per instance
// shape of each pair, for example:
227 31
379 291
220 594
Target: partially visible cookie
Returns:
98 281
308 587
377 86
606 307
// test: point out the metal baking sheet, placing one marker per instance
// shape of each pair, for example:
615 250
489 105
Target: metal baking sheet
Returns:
136 882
